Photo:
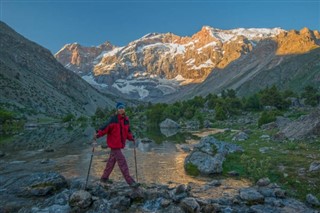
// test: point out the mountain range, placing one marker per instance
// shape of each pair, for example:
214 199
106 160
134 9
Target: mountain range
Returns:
166 67
157 68
34 83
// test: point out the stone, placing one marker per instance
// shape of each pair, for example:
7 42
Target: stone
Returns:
263 182
190 205
312 200
168 123
314 166
251 196
81 199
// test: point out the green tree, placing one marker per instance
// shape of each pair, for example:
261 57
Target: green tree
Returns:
212 100
189 113
252 103
68 117
233 105
155 114
273 97
221 114
199 116
231 93
311 95
5 116
172 112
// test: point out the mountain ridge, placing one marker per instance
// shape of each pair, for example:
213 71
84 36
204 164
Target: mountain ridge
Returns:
188 60
159 65
33 82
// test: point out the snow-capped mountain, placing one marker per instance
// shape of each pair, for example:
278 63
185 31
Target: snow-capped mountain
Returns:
157 64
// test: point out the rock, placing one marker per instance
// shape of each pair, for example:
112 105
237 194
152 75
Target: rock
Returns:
207 124
312 200
100 206
279 193
301 171
282 122
190 205
121 203
44 161
49 149
205 163
215 183
304 127
208 155
193 125
53 208
263 182
2 154
169 131
39 184
179 193
181 189
168 123
314 166
269 126
81 199
241 136
264 149
165 203
251 196
265 137
161 198
263 209
233 173
184 147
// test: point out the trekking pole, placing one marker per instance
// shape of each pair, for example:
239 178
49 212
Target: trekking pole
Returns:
135 159
93 145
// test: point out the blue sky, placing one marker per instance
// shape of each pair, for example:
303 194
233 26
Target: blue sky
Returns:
53 24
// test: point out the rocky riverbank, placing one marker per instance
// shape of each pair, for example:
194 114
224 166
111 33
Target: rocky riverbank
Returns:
51 192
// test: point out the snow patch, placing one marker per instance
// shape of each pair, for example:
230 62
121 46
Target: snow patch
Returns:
90 80
206 64
125 87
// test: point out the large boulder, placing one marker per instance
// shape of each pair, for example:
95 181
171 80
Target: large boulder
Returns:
39 184
168 123
209 154
304 127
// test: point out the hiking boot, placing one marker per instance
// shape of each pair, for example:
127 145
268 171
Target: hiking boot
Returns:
135 185
106 180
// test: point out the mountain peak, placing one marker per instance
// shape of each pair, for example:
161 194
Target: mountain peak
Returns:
149 65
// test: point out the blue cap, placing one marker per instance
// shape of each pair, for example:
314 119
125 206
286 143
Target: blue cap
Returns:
120 105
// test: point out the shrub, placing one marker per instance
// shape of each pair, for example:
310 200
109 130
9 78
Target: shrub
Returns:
256 169
268 117
68 118
220 113
192 169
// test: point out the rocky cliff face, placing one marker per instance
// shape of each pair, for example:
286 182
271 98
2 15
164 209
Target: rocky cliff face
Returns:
33 82
160 64
81 59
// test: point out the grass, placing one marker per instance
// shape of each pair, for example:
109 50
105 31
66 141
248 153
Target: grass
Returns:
281 162
192 169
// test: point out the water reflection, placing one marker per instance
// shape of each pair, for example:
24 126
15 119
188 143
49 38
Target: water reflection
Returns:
158 158
157 162
169 131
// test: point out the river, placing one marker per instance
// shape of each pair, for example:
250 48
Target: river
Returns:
160 160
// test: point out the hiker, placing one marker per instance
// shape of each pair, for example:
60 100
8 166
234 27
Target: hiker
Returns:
118 130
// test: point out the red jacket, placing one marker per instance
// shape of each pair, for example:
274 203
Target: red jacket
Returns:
118 130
